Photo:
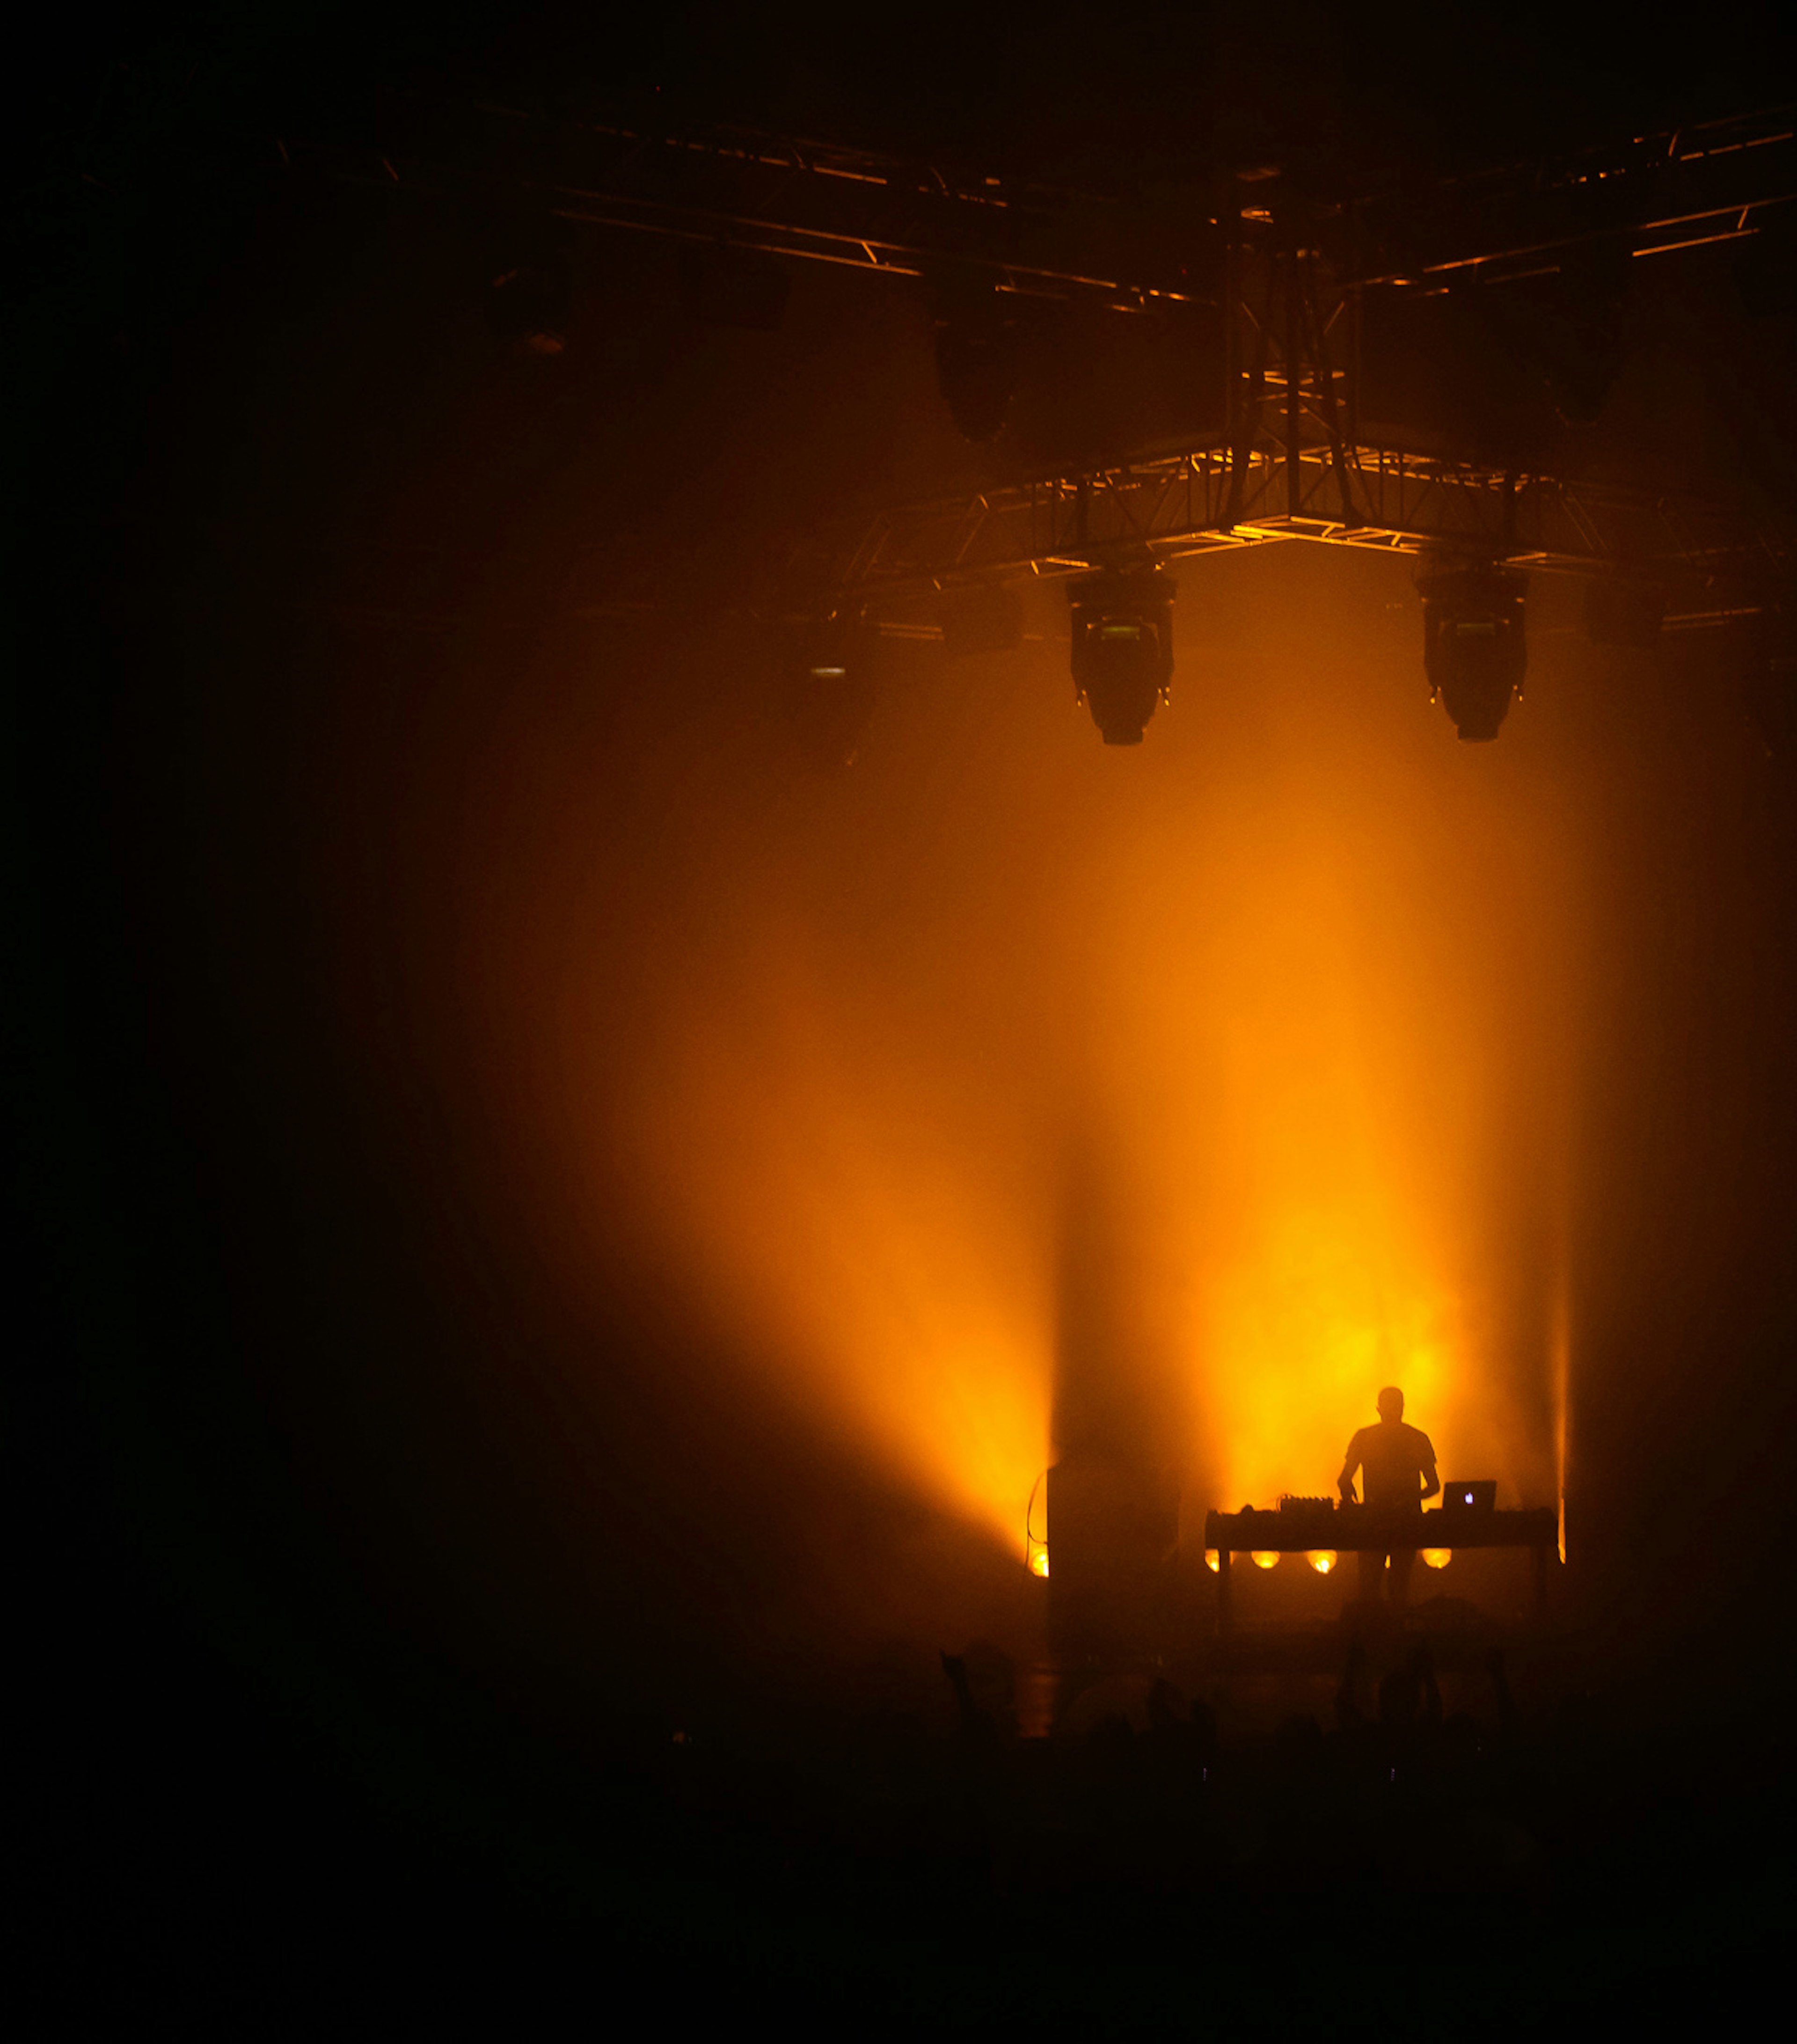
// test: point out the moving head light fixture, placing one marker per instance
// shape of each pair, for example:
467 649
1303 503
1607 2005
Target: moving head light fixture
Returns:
527 288
529 305
1123 622
1474 650
976 351
831 691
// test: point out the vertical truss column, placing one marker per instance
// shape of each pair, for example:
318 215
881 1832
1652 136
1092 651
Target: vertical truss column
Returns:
1294 366
1283 408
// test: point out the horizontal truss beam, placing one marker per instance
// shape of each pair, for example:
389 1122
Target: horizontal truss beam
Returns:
1659 193
815 202
1178 505
1673 189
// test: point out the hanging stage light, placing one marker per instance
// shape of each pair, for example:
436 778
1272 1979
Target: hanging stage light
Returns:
1123 648
1473 649
530 305
977 350
1582 344
831 693
529 293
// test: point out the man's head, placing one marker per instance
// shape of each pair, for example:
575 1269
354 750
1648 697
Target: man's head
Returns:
1391 1404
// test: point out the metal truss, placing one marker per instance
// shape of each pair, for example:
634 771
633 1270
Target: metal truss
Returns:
830 202
1290 466
1288 277
1655 194
817 201
1202 499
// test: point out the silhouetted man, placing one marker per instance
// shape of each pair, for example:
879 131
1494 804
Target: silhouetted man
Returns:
1399 1467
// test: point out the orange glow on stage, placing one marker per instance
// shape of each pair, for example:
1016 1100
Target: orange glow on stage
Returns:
1266 1558
1180 1082
1314 1320
1323 1560
1437 1557
887 1288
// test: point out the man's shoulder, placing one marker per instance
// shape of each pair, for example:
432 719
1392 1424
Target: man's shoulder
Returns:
1421 1442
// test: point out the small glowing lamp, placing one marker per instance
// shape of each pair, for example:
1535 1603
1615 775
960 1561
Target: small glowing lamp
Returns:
1265 1557
1211 1560
1322 1559
1437 1557
1039 1562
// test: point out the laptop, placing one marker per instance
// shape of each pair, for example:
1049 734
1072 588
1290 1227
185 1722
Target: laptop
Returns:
1464 1497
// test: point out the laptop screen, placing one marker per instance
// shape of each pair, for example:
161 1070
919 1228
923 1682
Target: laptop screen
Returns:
1464 1496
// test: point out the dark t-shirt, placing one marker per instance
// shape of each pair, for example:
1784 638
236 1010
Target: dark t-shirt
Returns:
1394 1458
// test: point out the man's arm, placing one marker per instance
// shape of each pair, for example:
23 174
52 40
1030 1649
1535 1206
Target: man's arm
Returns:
1431 1483
1345 1482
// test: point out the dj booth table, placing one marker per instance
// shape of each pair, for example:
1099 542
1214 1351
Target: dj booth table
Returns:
1354 1529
